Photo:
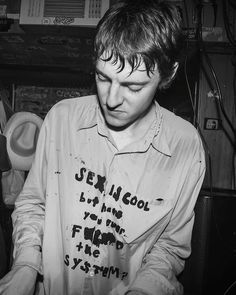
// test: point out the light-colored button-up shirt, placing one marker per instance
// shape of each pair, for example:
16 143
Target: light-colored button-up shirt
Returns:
108 220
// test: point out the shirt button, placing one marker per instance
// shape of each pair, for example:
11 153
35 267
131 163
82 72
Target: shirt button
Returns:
91 273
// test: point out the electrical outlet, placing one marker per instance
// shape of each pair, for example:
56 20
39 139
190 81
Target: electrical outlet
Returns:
211 124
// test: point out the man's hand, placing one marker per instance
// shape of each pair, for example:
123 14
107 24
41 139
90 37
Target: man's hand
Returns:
19 281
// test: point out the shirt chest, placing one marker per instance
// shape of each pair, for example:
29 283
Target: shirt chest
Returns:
114 190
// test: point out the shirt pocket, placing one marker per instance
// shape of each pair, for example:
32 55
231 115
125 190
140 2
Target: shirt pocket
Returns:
138 222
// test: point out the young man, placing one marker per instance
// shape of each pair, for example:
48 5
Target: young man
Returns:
107 207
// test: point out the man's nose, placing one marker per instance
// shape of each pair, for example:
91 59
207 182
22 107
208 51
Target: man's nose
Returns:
115 97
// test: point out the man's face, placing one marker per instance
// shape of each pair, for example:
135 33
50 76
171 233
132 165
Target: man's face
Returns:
124 97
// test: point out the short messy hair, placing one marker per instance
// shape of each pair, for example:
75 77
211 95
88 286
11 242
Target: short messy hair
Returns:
141 31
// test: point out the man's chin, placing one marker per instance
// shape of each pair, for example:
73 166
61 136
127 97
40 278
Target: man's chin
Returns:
117 125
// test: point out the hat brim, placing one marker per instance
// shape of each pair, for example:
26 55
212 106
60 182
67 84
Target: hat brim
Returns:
21 157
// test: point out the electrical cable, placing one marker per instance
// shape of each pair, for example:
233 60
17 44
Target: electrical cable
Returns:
221 106
192 102
194 111
199 130
185 65
186 59
188 86
217 105
187 18
186 56
227 24
219 93
219 99
229 288
228 121
199 38
234 95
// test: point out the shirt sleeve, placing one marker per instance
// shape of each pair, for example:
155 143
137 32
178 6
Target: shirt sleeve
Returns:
28 215
165 261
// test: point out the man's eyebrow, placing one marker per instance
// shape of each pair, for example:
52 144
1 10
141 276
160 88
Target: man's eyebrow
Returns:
124 83
101 73
138 83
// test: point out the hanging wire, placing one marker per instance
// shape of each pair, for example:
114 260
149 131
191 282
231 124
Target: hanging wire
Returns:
200 42
228 30
220 107
189 89
186 61
219 92
234 95
207 150
230 288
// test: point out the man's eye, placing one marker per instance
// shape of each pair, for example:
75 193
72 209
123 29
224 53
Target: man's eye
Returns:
135 89
101 78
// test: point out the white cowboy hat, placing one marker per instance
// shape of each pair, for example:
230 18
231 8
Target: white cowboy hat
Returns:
22 131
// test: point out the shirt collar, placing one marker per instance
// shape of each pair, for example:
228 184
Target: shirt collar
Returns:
160 142
157 134
102 128
88 115
92 116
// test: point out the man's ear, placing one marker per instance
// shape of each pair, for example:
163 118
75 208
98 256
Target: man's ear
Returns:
175 68
166 83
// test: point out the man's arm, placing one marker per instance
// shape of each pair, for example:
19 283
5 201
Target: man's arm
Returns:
165 261
28 223
19 281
